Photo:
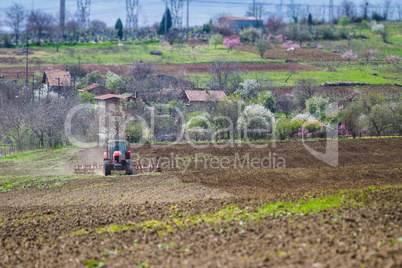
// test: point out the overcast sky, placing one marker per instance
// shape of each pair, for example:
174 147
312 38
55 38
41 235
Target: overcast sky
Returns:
151 11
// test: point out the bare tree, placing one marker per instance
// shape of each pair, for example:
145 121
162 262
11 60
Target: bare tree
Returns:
141 70
222 72
13 110
38 22
284 103
348 8
72 26
275 23
294 10
303 91
97 25
386 11
364 7
15 18
256 10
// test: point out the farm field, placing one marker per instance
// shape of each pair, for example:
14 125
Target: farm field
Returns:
301 215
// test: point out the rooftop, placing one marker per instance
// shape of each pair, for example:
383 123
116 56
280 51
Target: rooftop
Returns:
57 78
204 95
110 96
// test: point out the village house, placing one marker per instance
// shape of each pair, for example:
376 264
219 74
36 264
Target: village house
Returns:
57 81
111 101
240 22
97 90
198 99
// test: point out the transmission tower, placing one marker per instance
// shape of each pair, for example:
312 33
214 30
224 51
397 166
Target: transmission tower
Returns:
331 11
62 15
132 13
176 11
83 10
279 9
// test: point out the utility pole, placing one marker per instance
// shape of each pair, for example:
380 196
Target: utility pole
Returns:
62 15
188 13
26 68
331 12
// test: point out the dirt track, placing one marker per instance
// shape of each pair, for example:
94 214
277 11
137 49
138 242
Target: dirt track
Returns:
46 228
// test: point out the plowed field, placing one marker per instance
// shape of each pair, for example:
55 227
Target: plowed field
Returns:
304 214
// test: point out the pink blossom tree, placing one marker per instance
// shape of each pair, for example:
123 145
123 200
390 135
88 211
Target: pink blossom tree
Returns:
349 55
369 54
194 53
290 46
231 42
393 58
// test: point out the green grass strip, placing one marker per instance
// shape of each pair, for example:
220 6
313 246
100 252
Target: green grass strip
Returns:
303 206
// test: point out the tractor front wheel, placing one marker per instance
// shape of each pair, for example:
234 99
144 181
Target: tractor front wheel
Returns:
108 168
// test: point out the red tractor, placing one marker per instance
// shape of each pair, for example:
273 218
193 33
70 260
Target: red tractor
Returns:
117 157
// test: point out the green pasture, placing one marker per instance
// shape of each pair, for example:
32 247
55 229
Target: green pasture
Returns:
279 78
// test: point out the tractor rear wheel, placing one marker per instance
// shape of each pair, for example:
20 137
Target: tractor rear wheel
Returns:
129 167
108 168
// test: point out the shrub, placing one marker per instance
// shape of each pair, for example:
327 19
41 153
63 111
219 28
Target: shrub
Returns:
112 80
327 33
312 125
251 34
262 46
267 99
317 105
257 119
283 129
215 40
343 131
295 124
303 133
248 88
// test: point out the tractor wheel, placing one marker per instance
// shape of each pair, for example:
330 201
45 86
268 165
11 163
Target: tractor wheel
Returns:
108 168
129 167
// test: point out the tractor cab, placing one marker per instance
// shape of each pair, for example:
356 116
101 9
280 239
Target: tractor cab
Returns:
117 157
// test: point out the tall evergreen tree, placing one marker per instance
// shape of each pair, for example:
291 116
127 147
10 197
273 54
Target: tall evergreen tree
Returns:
169 22
119 27
310 19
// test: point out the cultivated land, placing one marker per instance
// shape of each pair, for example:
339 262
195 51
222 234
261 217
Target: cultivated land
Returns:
306 215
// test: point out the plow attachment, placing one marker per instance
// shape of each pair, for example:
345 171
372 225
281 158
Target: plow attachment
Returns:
99 168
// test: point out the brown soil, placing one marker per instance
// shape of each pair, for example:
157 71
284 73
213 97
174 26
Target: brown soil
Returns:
36 225
309 54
